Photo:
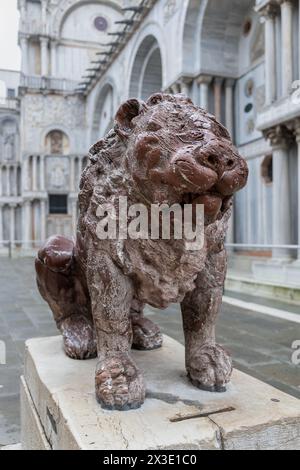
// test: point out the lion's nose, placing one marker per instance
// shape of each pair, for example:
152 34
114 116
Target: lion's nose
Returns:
187 172
233 180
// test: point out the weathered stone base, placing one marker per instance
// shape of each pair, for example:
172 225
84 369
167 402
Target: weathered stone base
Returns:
59 409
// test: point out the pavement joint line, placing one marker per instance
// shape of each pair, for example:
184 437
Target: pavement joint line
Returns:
263 309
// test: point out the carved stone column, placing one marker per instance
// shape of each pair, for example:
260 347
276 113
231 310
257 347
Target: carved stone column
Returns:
1 225
12 236
44 15
218 97
203 83
44 56
72 174
8 185
286 45
15 181
27 223
269 14
297 132
34 173
25 174
53 58
43 220
1 187
42 172
281 227
229 84
24 54
229 122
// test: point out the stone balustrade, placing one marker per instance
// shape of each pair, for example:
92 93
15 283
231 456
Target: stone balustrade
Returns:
48 83
10 180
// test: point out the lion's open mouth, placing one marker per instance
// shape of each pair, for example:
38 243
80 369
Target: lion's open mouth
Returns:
214 204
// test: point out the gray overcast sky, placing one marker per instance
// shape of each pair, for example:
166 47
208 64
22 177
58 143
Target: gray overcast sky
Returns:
9 22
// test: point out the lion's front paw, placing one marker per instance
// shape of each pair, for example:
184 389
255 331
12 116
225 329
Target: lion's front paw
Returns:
78 337
119 383
210 368
146 334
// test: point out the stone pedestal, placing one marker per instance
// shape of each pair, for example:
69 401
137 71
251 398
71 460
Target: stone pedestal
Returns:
59 409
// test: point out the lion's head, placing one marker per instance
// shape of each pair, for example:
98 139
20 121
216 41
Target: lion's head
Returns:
173 152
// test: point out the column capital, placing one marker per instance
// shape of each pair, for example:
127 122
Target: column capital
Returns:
268 9
280 2
279 137
24 38
204 79
218 80
44 40
229 82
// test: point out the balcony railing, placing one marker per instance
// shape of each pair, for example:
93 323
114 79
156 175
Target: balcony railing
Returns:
9 103
48 83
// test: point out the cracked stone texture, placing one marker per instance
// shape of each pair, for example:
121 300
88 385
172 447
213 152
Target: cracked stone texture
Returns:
261 345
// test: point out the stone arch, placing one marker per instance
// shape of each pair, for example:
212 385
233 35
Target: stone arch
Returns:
191 35
57 142
66 7
220 36
104 110
147 71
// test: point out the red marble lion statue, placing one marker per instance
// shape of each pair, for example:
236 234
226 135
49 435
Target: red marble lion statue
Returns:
163 151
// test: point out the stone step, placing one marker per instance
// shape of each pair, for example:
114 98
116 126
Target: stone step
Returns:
59 402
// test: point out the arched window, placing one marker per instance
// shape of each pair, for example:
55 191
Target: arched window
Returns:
104 113
267 169
57 143
146 75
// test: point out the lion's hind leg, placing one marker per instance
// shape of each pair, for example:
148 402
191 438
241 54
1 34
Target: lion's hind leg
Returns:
63 288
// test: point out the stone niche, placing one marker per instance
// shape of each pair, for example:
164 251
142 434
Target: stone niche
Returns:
57 173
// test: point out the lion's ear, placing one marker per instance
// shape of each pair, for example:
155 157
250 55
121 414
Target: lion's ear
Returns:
125 114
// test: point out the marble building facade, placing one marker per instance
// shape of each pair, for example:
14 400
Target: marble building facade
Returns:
82 58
